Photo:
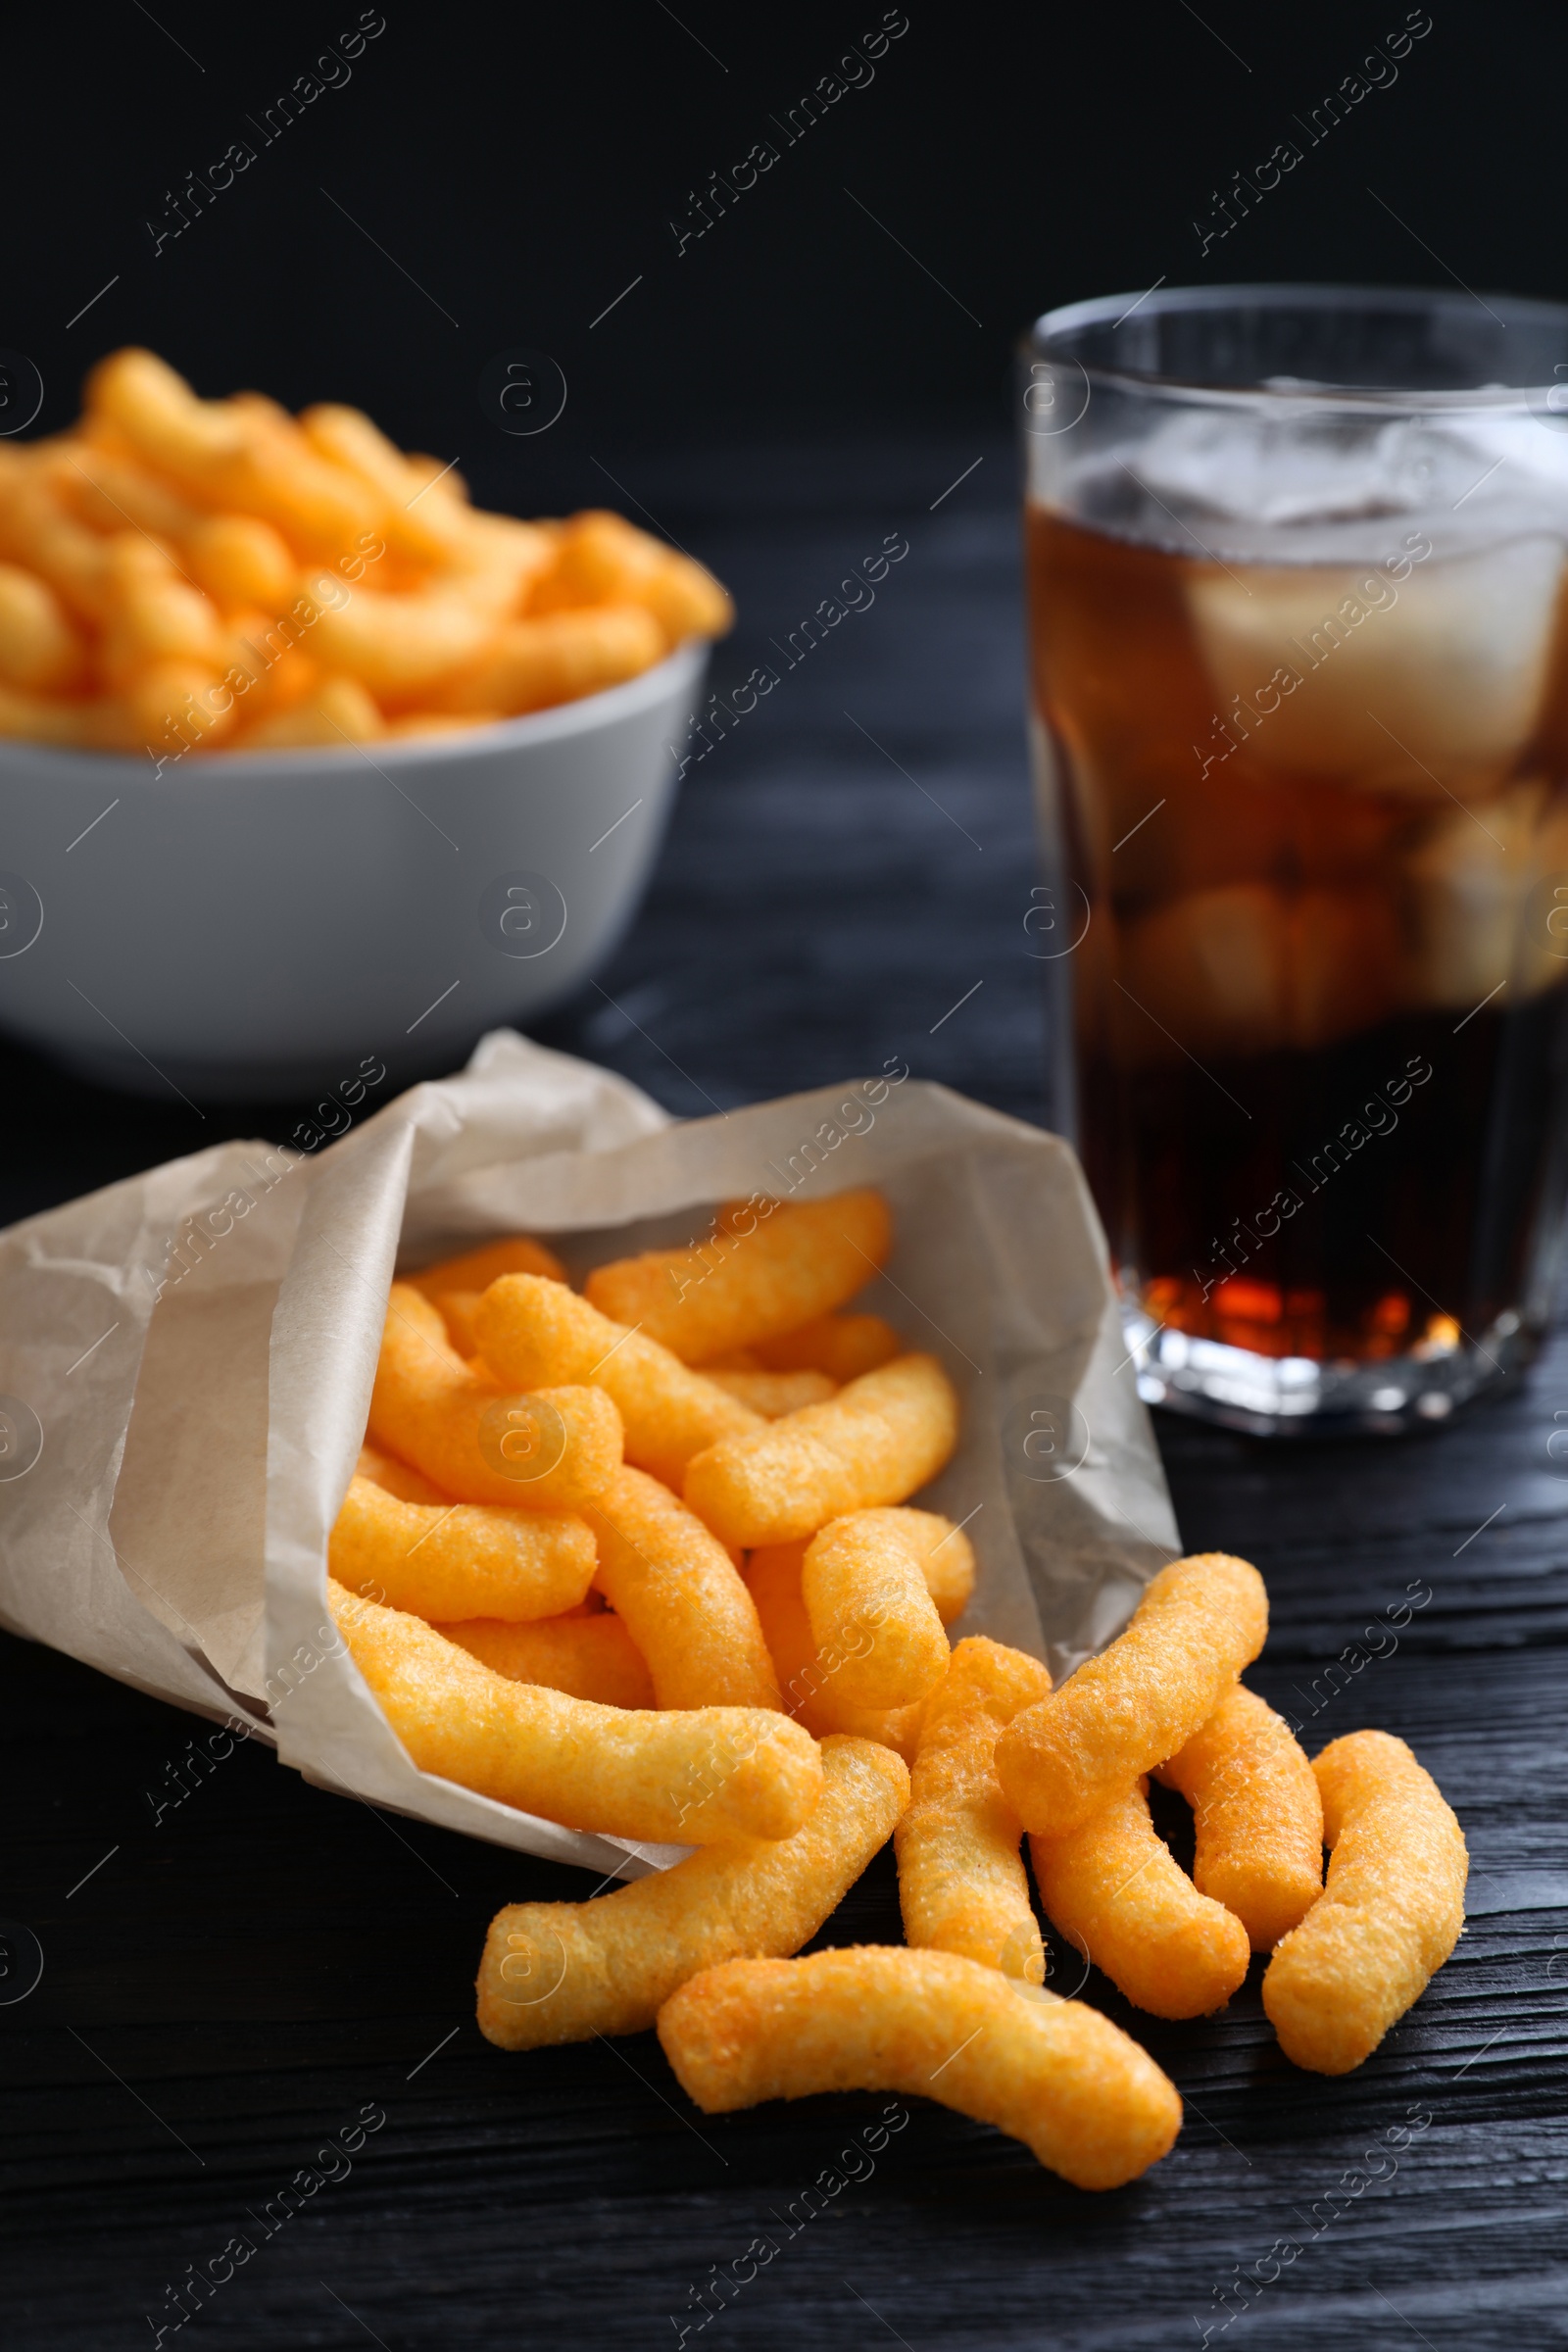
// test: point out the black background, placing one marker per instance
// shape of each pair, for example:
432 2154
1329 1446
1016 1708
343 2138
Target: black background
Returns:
226 1989
523 167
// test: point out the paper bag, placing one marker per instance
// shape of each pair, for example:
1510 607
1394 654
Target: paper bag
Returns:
187 1362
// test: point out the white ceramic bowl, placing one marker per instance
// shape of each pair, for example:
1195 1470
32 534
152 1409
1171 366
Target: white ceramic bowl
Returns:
258 924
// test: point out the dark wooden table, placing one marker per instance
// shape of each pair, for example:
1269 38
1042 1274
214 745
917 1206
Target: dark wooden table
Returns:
261 1968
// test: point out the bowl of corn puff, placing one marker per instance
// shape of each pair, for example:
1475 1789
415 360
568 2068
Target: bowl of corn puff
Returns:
302 757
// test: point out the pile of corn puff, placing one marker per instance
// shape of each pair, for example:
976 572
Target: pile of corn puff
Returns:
642 1560
188 575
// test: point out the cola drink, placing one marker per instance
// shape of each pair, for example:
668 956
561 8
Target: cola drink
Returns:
1300 704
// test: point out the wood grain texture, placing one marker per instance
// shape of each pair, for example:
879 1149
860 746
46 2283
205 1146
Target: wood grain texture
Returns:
235 1983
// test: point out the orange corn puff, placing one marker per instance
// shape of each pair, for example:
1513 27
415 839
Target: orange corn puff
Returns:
1056 2075
537 1333
695 1775
841 1346
1114 1891
449 1559
773 1395
587 1657
878 1441
808 1677
561 1972
547 1451
768 1270
477 1269
865 1594
397 1478
681 1598
1258 1813
961 1881
1199 1622
1390 1914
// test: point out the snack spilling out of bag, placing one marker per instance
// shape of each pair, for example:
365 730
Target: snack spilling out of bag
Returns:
709 1549
586 1570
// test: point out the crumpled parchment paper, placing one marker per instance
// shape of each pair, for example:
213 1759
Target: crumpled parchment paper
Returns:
186 1360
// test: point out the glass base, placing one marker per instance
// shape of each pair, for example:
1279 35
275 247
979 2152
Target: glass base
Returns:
1298 1397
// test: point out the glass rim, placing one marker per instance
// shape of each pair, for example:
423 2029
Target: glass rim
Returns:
1045 338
